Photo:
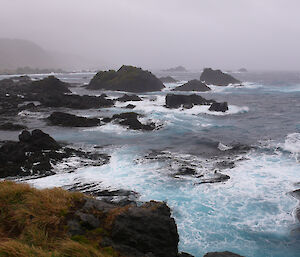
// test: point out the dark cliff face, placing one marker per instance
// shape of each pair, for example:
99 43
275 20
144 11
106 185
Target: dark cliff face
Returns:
127 78
217 77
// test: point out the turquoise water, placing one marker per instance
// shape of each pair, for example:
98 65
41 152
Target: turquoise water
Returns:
250 214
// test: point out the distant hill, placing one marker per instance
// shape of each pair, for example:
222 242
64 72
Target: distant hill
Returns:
177 69
18 53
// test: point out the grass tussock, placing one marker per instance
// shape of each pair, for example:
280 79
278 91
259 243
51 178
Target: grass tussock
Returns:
33 223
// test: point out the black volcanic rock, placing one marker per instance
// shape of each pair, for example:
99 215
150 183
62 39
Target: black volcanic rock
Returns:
70 120
146 229
217 77
76 101
222 254
35 153
176 101
193 85
50 86
11 126
130 119
127 78
167 79
130 106
219 107
127 98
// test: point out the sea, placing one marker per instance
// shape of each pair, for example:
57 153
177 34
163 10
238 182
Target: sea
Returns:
253 213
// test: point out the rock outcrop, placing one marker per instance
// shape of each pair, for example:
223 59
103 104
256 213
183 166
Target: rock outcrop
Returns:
217 77
71 223
187 101
70 120
76 101
35 153
167 79
130 120
11 126
193 85
127 98
128 79
219 107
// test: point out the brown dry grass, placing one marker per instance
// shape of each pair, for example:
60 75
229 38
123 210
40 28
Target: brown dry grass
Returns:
32 223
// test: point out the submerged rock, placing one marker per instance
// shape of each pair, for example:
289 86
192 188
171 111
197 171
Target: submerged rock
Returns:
167 79
130 106
127 78
127 98
193 85
222 254
217 77
176 101
70 120
217 177
219 107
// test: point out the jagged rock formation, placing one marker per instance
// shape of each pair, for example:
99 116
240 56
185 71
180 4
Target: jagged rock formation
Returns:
128 79
217 77
70 120
193 85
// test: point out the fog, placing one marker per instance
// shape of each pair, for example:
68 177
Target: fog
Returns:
155 34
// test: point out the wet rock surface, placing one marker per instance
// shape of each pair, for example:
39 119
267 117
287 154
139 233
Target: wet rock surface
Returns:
219 107
12 126
176 101
146 230
128 79
36 153
167 79
193 85
217 77
70 120
127 98
130 120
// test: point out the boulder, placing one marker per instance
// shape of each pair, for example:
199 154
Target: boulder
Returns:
127 98
28 155
193 85
128 79
167 79
130 106
222 254
146 229
130 119
49 86
35 153
176 101
243 70
217 77
219 107
70 120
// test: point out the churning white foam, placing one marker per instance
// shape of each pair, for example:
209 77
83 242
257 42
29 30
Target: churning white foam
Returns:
292 144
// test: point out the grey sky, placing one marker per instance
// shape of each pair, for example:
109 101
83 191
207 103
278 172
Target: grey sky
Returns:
257 34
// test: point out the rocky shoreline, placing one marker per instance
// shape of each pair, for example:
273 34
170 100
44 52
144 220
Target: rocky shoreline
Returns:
128 227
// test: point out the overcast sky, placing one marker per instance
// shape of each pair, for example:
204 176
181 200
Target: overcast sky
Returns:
229 34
